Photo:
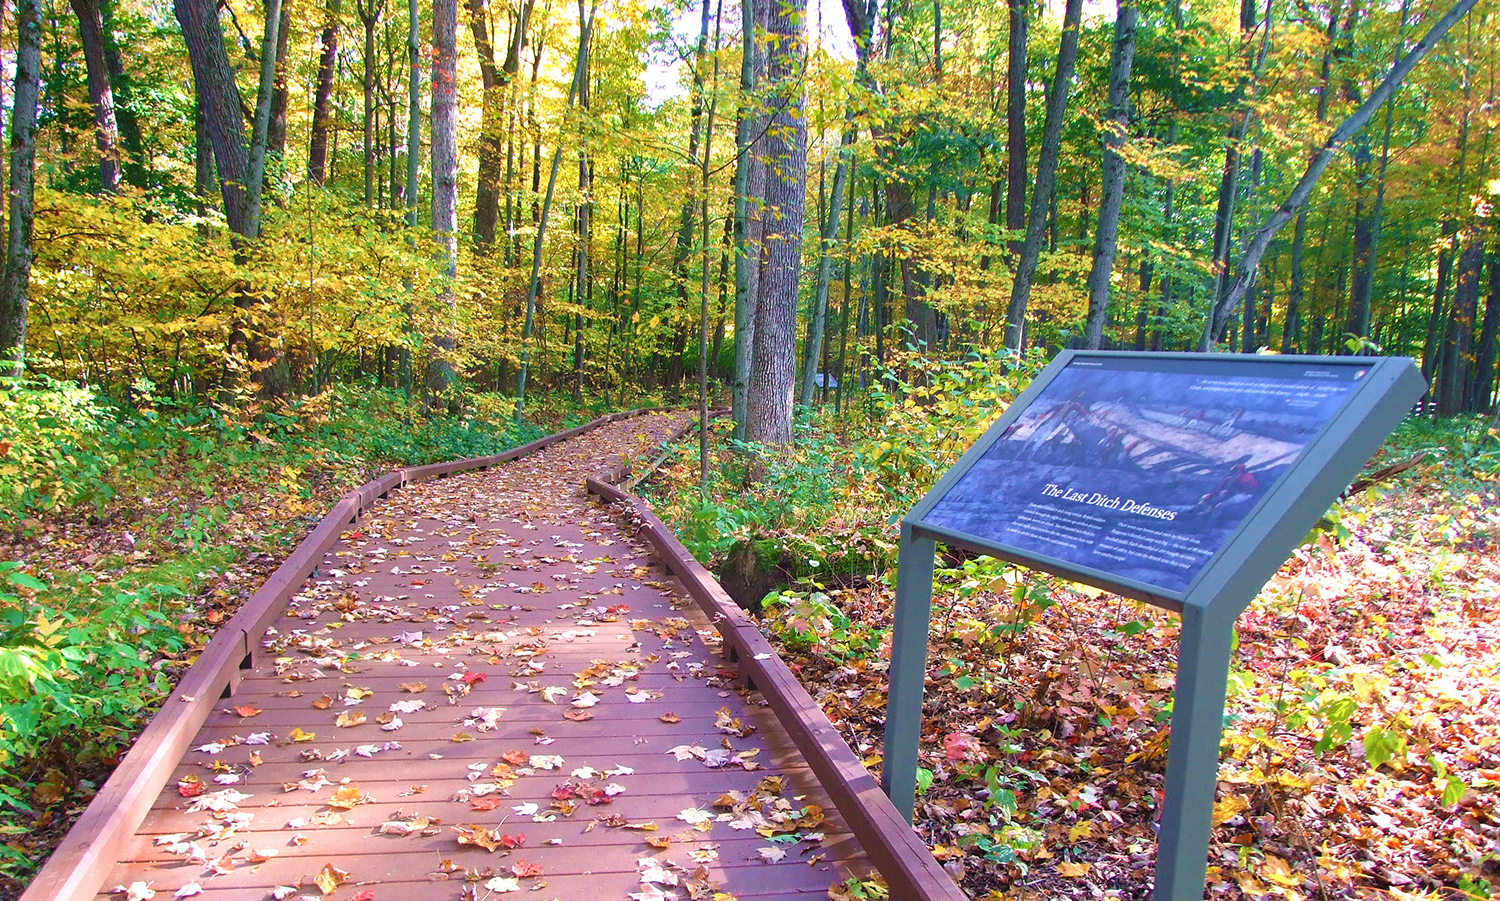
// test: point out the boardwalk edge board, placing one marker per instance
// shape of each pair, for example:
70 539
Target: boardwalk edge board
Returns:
899 854
82 861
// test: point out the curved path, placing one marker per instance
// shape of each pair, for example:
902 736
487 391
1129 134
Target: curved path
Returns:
488 688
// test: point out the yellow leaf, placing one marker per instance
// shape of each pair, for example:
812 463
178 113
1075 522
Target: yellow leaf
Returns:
1080 831
1278 871
298 735
330 878
1230 807
1072 870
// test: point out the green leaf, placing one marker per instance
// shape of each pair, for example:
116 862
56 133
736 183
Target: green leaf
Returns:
1454 789
1383 745
26 581
924 780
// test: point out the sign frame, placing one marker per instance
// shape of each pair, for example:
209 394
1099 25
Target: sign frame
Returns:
1209 604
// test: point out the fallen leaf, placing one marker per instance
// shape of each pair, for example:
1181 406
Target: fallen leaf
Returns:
330 878
246 711
298 735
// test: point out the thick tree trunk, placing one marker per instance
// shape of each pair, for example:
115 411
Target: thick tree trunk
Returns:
496 78
219 99
15 278
256 164
769 406
1116 129
101 94
322 118
444 176
1046 178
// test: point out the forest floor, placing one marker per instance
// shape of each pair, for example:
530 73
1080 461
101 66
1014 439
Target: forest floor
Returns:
1361 757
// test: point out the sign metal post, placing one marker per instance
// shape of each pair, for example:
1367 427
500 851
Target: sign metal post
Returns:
1182 480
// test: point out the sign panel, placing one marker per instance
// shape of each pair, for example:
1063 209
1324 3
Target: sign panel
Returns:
1141 468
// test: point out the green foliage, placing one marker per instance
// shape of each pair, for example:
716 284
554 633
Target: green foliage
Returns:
803 620
81 670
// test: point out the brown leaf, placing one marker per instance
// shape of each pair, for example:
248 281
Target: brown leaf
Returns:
246 711
414 687
323 703
670 719
349 718
578 716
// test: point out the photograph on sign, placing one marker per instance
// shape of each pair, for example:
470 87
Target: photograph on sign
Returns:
1142 468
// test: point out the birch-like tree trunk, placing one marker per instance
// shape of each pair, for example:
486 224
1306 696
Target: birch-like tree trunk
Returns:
15 278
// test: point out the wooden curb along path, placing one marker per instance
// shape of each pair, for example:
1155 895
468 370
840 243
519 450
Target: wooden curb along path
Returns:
483 685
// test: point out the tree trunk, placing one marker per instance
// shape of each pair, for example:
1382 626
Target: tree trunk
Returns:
15 278
369 16
101 94
256 164
1015 125
276 136
1484 367
413 112
1453 381
585 34
1116 129
1046 178
219 98
496 79
1294 293
818 322
769 402
322 118
120 85
749 175
444 177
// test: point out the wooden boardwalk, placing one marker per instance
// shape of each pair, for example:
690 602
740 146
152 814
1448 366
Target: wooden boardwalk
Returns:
490 686
474 679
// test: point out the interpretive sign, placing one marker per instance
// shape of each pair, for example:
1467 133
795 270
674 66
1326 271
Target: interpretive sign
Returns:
1184 480
1140 468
